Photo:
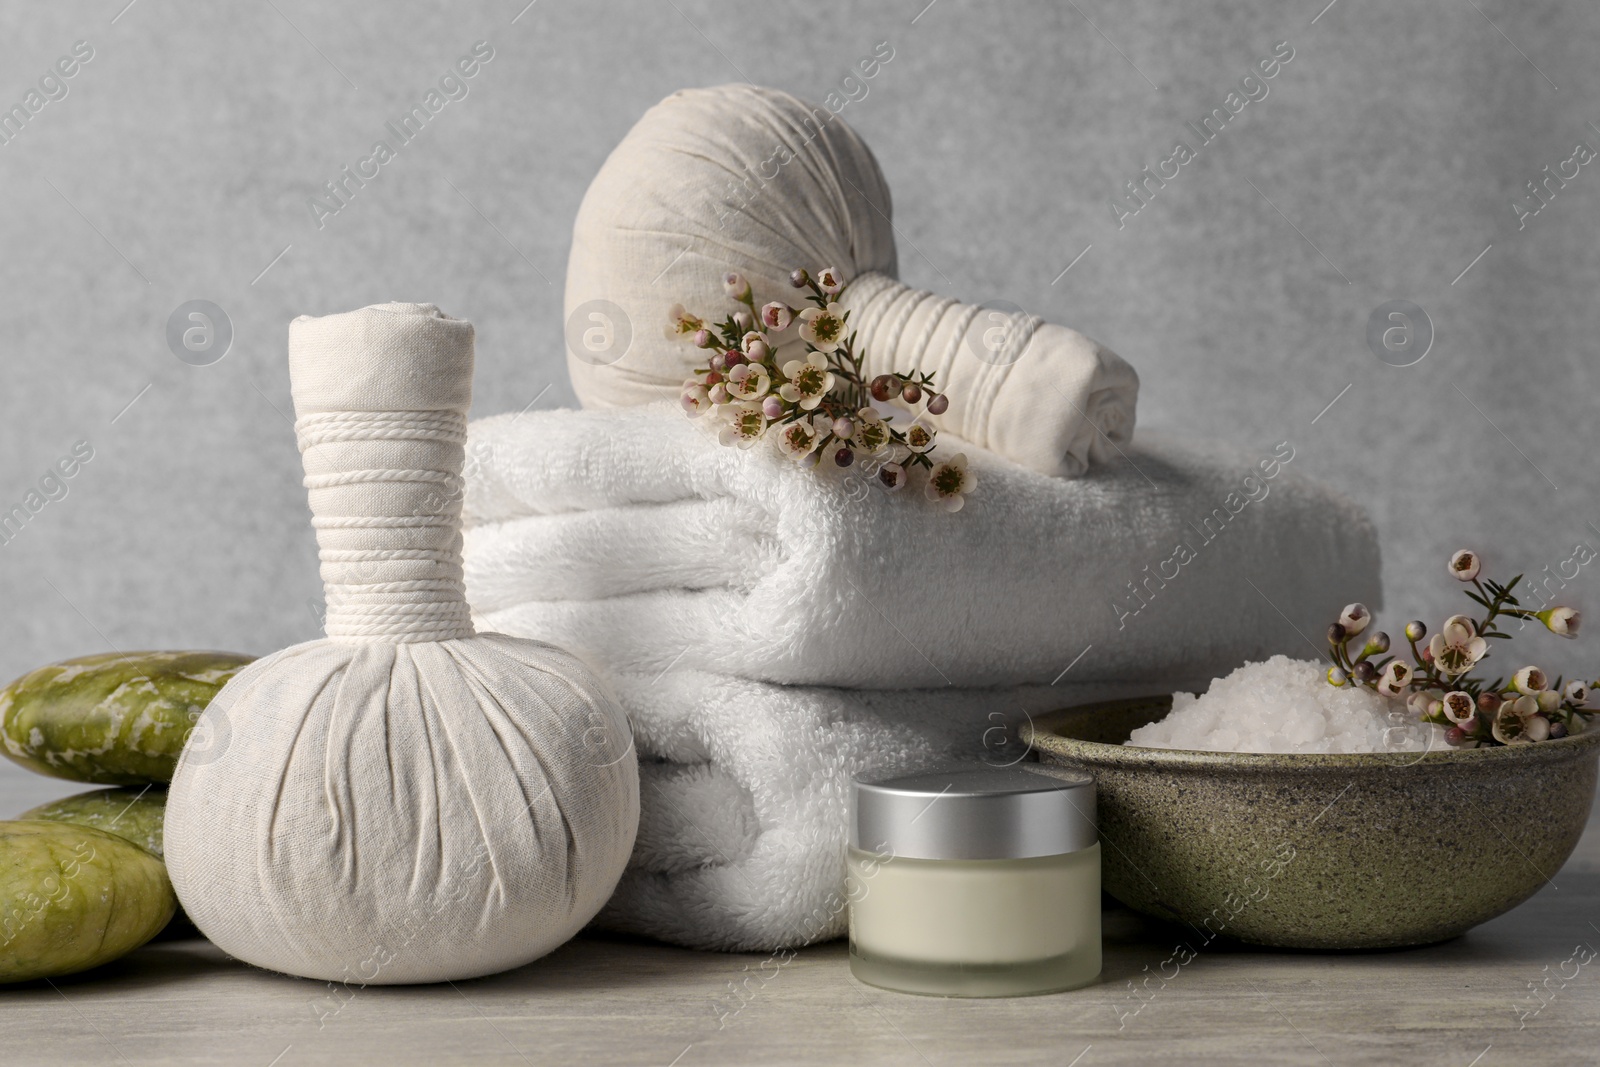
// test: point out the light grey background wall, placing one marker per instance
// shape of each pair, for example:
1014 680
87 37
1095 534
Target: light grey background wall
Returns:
1383 162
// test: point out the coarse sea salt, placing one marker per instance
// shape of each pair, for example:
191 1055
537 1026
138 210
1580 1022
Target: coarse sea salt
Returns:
1287 705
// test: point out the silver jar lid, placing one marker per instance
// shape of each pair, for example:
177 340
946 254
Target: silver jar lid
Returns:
975 813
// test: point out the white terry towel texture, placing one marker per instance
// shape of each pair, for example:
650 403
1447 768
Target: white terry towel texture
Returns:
639 542
749 179
699 576
744 787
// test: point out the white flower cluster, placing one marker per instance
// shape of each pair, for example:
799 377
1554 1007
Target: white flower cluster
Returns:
816 406
1437 688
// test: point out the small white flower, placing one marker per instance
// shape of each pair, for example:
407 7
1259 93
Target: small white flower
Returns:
919 438
1354 619
696 399
892 477
1459 707
1577 693
809 381
736 286
830 281
872 433
1511 727
749 381
798 439
1395 678
1530 680
822 328
1457 647
1465 564
1511 724
950 482
776 316
746 423
1563 622
682 326
719 393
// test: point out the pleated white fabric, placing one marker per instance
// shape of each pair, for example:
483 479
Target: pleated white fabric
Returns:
405 800
754 180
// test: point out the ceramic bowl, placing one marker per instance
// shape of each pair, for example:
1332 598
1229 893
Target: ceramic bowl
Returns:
1356 851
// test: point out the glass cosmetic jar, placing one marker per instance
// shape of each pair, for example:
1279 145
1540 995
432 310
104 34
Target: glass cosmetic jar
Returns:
975 882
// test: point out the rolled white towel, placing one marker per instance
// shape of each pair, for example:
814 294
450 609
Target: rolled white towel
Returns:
749 179
638 541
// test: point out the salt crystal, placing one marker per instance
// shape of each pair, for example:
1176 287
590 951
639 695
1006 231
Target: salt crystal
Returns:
1287 705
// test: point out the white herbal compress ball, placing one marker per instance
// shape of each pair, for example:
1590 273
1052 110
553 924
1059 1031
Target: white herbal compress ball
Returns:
403 800
746 179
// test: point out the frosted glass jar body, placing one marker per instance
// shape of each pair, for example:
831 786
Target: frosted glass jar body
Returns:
975 928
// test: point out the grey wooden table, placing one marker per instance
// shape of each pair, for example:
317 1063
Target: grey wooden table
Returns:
610 1001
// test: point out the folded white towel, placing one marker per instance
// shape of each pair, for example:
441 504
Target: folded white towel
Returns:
743 789
636 540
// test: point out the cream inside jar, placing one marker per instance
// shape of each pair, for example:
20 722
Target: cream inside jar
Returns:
975 881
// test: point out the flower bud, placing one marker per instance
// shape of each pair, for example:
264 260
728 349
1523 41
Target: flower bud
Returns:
799 278
1354 618
1537 728
1365 672
735 285
757 350
1336 634
719 394
1489 703
844 429
1563 622
743 321
776 316
1337 676
938 404
1377 644
1454 736
1529 680
1549 700
1558 730
1464 565
702 338
719 361
884 386
1416 630
772 407
911 393
844 456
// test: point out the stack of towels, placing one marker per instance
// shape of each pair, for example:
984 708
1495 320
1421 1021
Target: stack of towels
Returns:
773 630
